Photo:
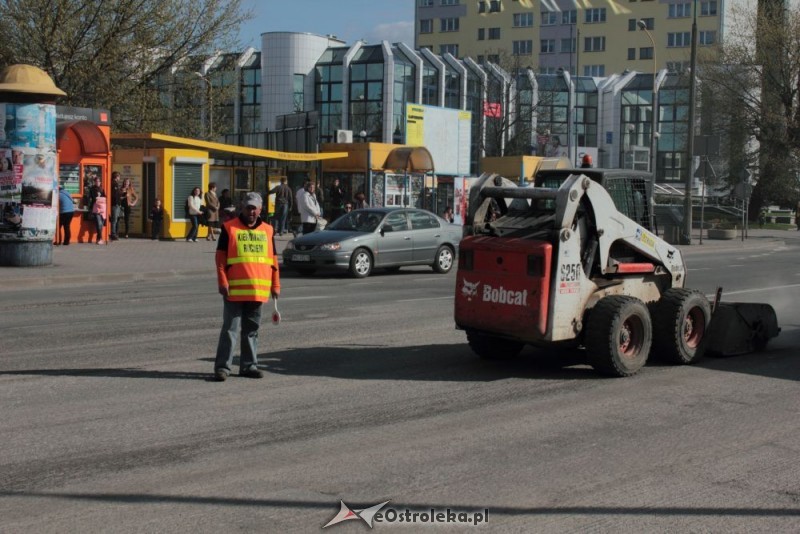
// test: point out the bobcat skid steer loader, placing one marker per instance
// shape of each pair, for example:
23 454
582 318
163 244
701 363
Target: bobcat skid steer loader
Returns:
568 267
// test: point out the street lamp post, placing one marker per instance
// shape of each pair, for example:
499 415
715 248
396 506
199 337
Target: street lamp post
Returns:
210 102
653 135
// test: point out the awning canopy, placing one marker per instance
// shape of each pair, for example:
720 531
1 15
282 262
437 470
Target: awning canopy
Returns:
90 138
410 159
220 151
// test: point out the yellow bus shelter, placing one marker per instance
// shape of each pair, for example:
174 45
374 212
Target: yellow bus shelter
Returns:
167 168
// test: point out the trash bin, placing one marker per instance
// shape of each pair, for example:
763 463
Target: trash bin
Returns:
672 234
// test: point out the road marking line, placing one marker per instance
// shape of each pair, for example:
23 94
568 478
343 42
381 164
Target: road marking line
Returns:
425 298
736 265
773 288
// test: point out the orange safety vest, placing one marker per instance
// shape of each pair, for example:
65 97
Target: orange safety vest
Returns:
251 265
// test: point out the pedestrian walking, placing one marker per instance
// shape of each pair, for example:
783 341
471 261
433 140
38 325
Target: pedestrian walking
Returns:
66 209
247 276
157 218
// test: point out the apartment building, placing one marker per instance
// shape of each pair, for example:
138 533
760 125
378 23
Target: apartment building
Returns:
582 38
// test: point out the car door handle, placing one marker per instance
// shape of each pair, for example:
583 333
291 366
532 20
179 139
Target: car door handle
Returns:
407 239
437 235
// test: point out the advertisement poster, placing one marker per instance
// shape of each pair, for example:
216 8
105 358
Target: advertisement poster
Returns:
28 177
134 174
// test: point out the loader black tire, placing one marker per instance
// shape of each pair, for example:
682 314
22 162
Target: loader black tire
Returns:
490 347
680 322
619 334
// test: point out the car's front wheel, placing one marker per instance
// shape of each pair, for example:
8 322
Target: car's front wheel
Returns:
360 263
444 260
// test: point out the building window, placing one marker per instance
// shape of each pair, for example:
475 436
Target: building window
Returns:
493 58
568 45
494 6
523 20
677 66
425 3
481 59
679 11
298 99
549 18
426 26
679 40
631 53
449 24
494 34
594 15
548 46
569 16
594 70
523 48
366 98
481 34
547 70
451 49
594 44
449 2
708 9
707 38
646 52
481 7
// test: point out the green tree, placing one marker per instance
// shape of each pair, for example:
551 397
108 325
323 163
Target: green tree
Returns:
118 54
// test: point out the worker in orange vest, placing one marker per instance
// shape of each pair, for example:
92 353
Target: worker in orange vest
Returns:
247 276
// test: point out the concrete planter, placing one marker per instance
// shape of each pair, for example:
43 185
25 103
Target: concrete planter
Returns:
722 233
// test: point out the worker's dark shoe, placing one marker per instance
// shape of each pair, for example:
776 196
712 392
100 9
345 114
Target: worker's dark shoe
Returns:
221 375
252 373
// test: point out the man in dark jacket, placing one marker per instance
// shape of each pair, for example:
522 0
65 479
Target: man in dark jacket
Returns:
283 206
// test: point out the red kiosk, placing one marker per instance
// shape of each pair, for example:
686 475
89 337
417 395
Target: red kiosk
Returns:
83 139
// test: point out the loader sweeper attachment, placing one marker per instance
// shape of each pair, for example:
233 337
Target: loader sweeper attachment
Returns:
574 267
739 327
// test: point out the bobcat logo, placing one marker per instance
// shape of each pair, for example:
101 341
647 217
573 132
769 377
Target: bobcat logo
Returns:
470 289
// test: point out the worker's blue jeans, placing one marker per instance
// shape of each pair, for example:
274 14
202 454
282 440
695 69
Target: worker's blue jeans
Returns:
235 316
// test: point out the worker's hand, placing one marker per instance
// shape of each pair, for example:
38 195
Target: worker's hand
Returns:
275 295
223 290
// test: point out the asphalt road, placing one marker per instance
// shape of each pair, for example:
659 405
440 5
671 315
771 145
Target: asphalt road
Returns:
110 422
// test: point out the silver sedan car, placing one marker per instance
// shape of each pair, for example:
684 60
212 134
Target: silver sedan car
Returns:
370 238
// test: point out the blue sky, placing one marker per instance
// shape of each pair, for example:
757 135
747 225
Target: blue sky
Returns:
350 20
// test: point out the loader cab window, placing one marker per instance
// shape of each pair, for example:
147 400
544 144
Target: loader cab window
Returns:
630 198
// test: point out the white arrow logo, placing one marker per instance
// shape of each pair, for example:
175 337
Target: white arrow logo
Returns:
346 514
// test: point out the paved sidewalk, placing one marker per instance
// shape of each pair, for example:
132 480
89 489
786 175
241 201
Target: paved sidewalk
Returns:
144 259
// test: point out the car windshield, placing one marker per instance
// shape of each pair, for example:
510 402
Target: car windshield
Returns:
358 221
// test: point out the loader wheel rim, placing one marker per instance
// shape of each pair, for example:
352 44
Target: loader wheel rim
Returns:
694 327
631 337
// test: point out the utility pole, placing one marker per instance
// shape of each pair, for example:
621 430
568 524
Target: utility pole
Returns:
686 238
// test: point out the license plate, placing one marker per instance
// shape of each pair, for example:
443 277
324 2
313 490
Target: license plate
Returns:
301 257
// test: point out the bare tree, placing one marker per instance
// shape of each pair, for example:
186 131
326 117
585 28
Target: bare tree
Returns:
758 76
117 54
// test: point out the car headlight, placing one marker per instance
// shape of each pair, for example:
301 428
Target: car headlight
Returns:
330 246
290 245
